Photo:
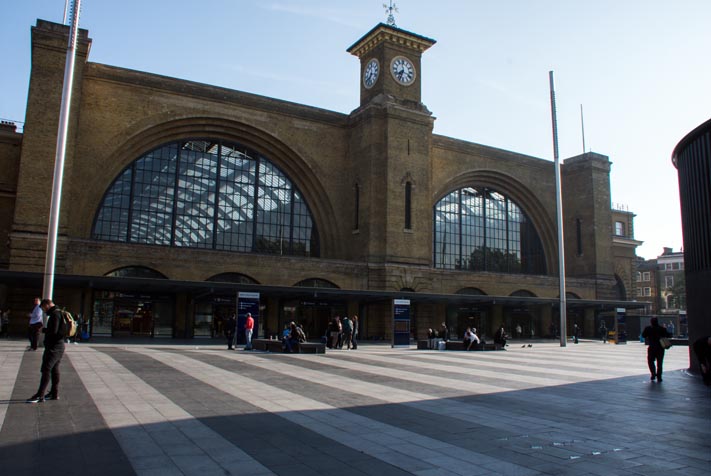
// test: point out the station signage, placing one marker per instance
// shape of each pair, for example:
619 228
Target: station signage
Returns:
247 303
401 323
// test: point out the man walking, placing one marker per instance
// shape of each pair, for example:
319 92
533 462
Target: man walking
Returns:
655 352
603 332
53 351
576 333
248 330
35 325
5 323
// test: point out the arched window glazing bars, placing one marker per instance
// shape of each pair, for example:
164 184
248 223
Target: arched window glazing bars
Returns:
135 272
316 283
480 229
205 193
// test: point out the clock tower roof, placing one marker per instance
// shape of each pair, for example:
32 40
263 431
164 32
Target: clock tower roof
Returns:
382 33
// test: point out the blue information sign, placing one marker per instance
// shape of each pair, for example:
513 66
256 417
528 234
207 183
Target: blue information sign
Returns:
401 322
621 326
247 303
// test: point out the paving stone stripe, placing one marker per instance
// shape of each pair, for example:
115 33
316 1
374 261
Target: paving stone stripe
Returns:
496 380
601 359
501 377
69 430
315 414
459 409
380 440
158 436
10 361
578 403
427 419
267 438
571 368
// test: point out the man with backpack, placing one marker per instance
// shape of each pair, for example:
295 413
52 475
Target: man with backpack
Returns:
54 335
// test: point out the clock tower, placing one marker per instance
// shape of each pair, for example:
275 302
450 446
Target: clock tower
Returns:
390 142
390 63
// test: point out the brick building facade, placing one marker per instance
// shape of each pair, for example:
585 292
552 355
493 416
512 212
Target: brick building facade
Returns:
177 195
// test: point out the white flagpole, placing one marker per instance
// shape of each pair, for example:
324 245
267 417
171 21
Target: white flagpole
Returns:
559 213
49 263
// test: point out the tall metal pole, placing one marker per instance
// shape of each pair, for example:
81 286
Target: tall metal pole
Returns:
582 126
49 263
559 213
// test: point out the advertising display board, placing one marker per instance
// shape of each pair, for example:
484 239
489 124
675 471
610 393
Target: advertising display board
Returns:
401 322
247 303
620 325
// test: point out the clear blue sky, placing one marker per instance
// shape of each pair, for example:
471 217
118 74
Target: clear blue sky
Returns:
640 68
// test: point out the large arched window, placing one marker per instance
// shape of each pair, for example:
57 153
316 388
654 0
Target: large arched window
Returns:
231 278
479 229
316 283
207 194
135 272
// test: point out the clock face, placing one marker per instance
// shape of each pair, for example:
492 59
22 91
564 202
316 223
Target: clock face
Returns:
370 76
402 70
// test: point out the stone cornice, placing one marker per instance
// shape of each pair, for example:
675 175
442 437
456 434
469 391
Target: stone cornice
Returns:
382 32
388 103
626 242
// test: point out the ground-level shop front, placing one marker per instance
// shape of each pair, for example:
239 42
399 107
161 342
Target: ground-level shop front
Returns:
122 307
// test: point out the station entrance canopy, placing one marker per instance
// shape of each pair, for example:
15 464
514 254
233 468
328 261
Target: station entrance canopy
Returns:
207 288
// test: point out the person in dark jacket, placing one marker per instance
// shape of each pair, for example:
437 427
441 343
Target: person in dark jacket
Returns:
295 336
230 328
702 349
354 339
576 333
500 337
655 352
444 332
54 335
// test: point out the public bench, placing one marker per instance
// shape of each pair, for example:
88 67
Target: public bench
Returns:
459 345
270 345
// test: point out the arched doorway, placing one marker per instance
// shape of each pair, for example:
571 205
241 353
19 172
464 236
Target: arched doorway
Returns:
213 310
313 314
574 316
123 314
464 315
521 320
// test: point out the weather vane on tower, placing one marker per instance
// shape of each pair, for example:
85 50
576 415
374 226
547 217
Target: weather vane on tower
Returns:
389 10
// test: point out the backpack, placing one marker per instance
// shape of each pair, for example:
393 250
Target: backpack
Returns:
70 324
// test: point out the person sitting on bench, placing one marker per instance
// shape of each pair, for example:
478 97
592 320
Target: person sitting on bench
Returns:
470 337
295 336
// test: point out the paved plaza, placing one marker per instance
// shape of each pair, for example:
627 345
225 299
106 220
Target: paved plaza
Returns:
161 408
